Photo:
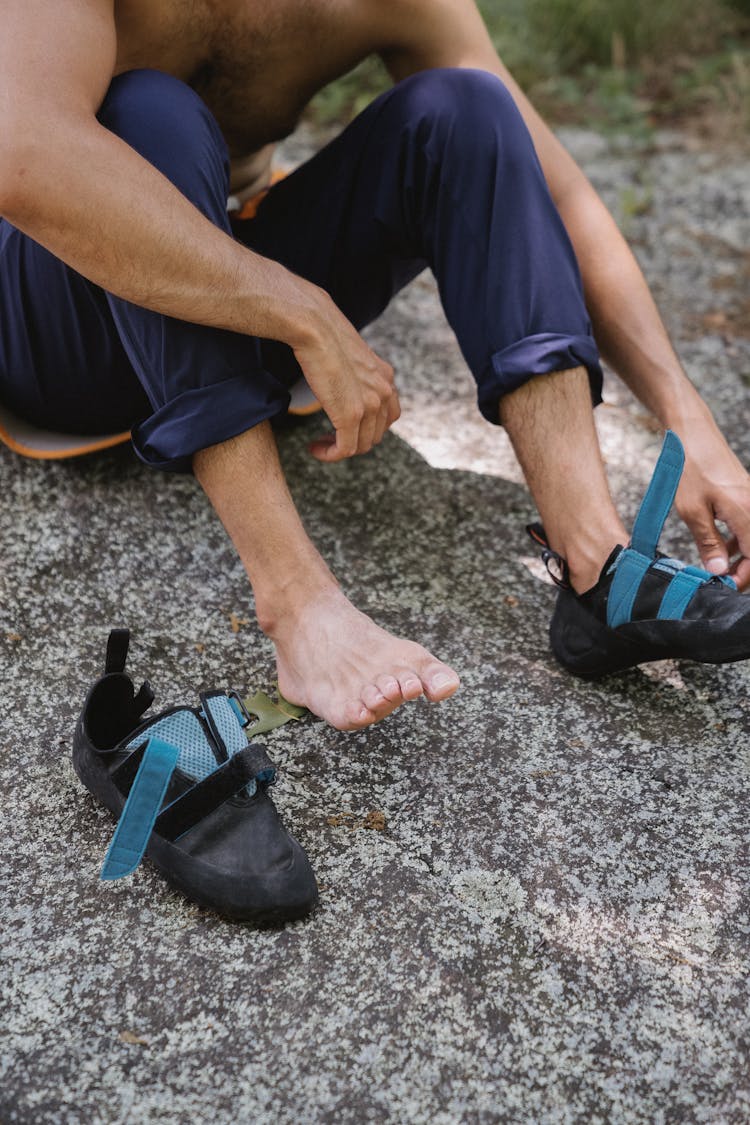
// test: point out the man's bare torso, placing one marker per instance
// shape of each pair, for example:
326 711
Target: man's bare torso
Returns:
256 63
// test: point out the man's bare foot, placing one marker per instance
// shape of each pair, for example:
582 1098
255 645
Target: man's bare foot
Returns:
344 668
331 658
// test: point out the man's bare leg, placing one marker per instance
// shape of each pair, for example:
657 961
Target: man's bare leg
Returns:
551 425
330 657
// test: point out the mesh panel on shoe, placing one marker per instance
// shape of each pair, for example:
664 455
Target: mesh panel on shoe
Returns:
184 730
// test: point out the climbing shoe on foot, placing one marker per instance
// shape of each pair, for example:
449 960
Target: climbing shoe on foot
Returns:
192 794
645 605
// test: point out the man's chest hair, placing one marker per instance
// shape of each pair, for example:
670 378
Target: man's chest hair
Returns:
257 63
254 61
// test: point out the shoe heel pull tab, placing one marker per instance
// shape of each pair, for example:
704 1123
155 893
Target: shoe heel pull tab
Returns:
117 650
536 532
560 575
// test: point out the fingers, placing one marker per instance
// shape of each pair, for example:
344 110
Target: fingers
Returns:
715 486
355 387
361 426
389 412
381 425
709 540
740 572
716 552
394 408
739 523
321 445
380 404
367 430
335 447
739 568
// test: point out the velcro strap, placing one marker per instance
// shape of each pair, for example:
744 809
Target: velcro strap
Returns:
631 567
678 595
141 809
659 496
117 650
696 572
251 764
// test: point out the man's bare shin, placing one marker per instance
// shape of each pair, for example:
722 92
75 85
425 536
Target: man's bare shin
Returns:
244 481
550 423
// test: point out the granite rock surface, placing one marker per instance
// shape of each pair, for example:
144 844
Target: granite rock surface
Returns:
549 922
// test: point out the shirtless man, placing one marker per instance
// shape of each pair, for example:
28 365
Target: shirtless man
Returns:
126 302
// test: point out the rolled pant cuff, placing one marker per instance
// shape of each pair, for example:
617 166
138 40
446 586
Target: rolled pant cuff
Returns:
535 355
205 416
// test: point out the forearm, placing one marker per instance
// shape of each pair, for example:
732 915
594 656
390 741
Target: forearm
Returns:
115 219
626 322
632 338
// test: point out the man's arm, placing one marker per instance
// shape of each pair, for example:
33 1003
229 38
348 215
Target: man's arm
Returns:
420 34
90 199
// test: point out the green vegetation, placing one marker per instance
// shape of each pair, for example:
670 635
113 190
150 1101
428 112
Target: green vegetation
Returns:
617 64
629 63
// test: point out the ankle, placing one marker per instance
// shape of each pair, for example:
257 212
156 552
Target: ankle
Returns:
280 605
585 555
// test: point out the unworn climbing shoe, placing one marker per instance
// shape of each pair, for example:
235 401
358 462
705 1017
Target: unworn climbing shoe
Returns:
646 606
192 794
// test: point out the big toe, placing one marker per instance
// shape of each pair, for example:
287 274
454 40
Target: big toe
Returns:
440 681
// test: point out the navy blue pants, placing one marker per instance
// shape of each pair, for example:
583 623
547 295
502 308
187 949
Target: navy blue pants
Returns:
439 171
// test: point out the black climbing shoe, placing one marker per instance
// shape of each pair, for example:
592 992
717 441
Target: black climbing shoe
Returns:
645 605
192 795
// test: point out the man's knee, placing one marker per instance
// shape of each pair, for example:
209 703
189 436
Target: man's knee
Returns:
165 121
466 106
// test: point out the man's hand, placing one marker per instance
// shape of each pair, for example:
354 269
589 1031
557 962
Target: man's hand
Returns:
354 386
715 486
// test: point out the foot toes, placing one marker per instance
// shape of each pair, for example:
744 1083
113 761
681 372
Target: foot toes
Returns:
439 681
373 698
389 686
356 715
411 685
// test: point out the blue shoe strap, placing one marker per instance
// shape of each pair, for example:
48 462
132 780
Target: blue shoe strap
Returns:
678 595
141 809
659 496
631 567
697 572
